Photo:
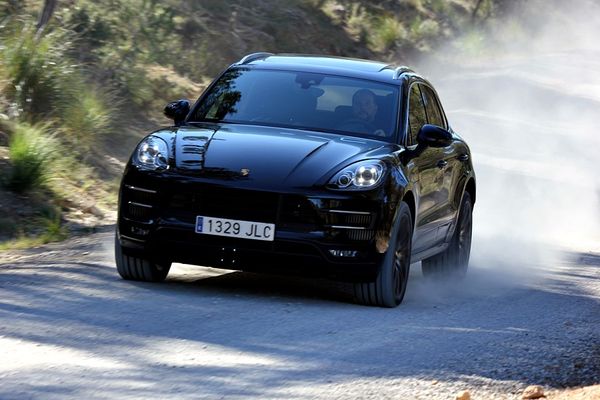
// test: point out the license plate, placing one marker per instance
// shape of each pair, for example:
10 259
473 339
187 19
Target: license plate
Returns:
235 228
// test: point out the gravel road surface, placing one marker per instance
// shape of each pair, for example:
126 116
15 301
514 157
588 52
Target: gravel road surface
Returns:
71 328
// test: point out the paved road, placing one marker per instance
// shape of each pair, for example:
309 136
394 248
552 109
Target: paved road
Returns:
71 328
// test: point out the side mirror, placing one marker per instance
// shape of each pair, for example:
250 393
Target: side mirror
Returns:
434 136
177 111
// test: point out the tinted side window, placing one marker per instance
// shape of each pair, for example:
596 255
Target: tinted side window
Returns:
416 113
434 114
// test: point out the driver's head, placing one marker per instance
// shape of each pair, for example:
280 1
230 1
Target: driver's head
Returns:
364 105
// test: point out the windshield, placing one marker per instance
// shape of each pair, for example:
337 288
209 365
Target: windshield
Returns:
302 100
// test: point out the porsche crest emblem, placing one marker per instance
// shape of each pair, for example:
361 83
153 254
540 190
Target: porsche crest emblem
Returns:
244 172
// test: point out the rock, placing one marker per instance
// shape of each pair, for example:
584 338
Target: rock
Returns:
533 392
464 395
92 209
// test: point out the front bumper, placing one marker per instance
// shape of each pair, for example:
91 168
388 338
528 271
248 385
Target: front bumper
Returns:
157 214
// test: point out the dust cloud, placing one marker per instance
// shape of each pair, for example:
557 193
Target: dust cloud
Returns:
530 108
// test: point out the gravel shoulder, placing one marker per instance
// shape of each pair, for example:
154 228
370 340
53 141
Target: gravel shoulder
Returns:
71 328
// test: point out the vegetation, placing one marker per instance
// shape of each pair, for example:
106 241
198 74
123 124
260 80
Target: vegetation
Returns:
30 150
43 227
81 80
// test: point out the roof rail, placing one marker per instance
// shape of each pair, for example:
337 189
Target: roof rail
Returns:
253 57
400 70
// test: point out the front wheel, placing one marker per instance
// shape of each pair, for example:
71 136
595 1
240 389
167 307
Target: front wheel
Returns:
454 261
389 287
139 269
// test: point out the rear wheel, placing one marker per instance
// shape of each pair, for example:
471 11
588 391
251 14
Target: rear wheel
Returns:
139 269
389 287
454 261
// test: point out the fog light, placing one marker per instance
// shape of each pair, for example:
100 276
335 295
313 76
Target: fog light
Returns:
343 253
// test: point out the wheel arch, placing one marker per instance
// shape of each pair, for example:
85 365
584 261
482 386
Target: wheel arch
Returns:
467 186
409 198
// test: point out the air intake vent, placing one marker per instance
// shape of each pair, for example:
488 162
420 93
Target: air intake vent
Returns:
350 219
139 212
138 203
362 235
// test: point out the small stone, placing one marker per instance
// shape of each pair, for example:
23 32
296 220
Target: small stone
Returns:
464 395
533 392
435 382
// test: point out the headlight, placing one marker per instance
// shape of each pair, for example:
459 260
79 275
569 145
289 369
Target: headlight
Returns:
359 176
152 153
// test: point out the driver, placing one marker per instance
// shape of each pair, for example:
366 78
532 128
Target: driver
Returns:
364 108
364 105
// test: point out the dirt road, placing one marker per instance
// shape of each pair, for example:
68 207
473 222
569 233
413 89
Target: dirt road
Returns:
528 312
71 328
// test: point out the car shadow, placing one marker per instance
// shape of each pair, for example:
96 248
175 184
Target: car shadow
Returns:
269 286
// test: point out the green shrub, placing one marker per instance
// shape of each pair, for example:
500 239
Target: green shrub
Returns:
87 115
358 22
32 68
51 221
41 83
30 151
388 33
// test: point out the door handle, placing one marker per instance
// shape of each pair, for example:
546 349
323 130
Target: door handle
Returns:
442 163
463 157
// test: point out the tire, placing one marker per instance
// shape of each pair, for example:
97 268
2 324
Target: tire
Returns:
388 289
454 261
139 269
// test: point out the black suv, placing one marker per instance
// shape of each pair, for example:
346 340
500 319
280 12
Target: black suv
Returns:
312 165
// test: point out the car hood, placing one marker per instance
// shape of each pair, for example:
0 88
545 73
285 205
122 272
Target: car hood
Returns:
267 156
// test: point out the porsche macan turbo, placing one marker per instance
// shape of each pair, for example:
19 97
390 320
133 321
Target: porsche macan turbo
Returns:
318 166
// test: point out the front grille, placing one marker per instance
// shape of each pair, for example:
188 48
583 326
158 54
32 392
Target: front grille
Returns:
225 203
351 219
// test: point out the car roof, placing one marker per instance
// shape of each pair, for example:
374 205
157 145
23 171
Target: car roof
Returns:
349 67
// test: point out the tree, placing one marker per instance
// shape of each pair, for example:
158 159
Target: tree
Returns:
47 11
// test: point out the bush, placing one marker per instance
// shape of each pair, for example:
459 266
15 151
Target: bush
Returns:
51 222
358 23
30 151
388 33
87 115
40 82
32 68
